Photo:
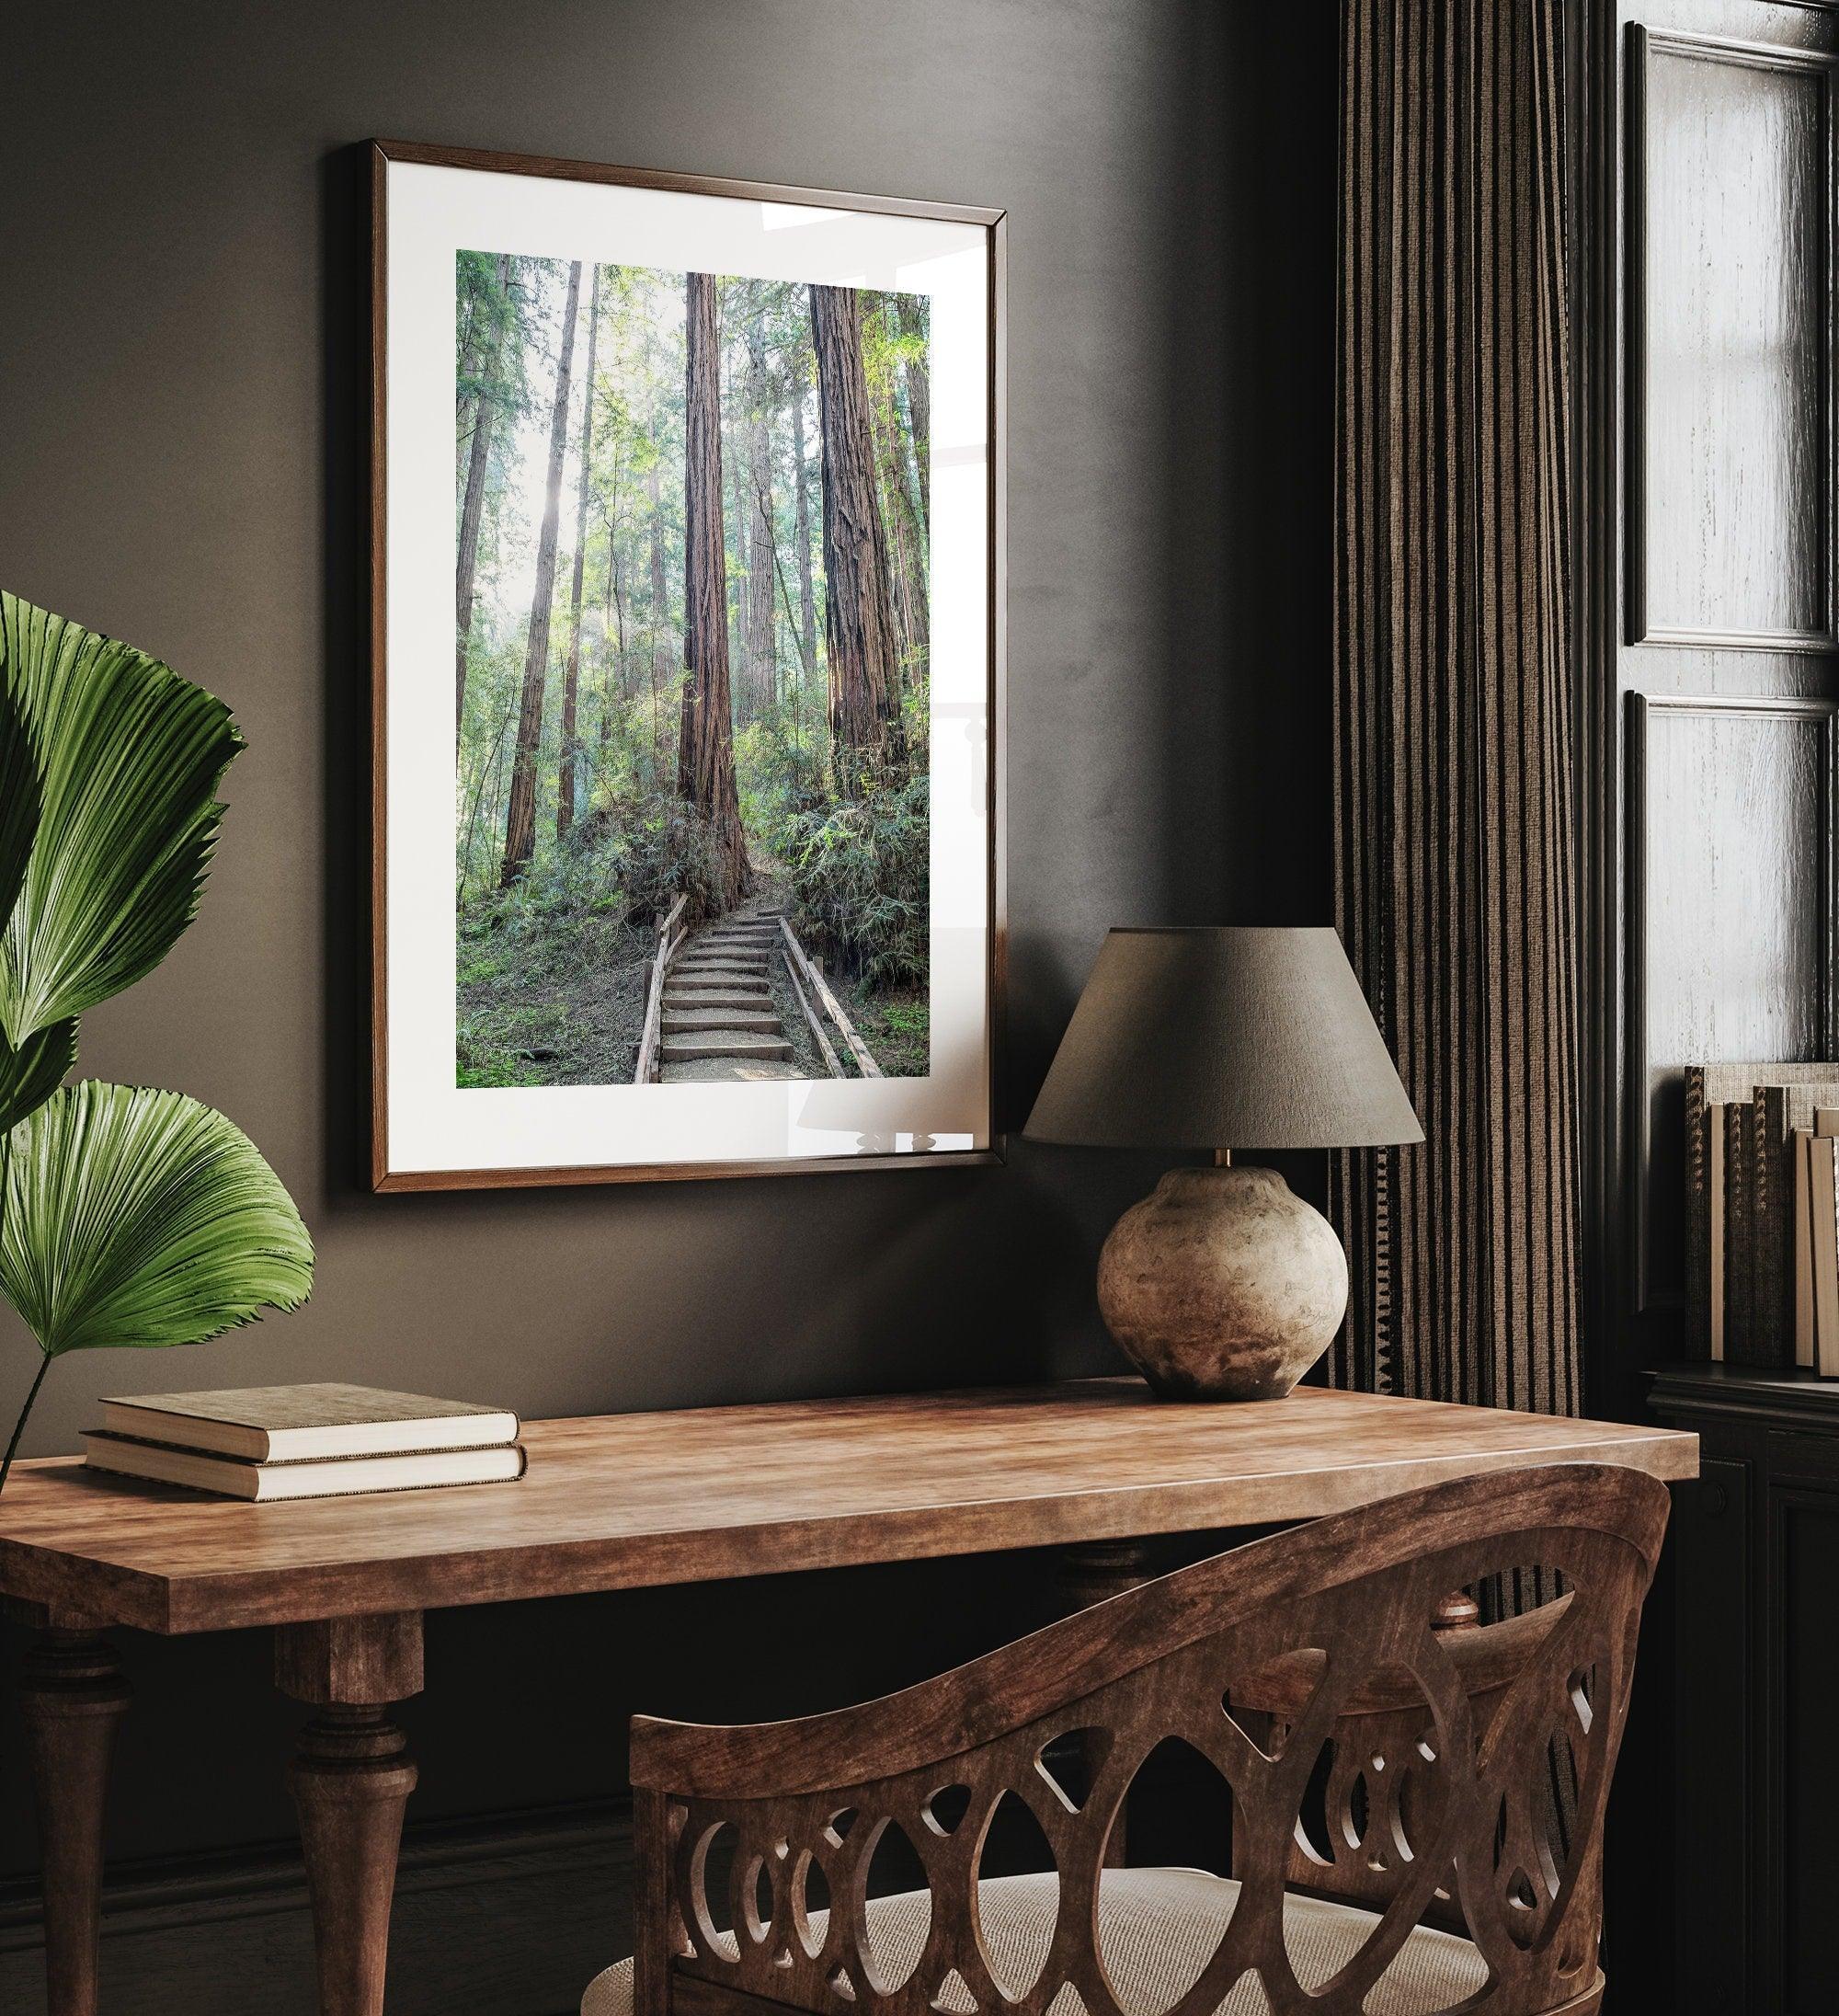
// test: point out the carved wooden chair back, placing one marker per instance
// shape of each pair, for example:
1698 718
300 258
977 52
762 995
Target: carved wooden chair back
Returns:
1303 1668
1370 1800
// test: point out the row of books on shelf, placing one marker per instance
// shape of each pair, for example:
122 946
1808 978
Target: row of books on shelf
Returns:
1761 1220
308 1441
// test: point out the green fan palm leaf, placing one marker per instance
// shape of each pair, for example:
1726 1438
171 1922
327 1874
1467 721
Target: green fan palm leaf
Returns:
128 1217
33 1071
127 757
139 1218
30 1074
19 793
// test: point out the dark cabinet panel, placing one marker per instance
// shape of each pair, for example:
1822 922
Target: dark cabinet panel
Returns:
1709 1546
1754 1555
1803 1783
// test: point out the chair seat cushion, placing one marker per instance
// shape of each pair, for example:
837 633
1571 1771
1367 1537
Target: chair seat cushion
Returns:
1157 1930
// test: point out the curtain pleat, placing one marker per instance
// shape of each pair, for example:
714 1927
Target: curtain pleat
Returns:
1455 839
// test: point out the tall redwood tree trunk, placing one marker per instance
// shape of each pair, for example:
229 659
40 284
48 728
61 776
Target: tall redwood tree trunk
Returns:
616 671
913 321
660 587
520 815
801 512
616 681
484 351
761 666
571 685
906 536
859 636
706 764
662 669
740 523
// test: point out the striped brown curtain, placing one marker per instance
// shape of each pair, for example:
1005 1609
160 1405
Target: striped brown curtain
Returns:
1454 836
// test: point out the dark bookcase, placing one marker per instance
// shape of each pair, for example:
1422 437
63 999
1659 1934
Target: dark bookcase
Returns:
1754 1565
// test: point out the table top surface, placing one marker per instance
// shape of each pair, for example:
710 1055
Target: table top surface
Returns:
629 1500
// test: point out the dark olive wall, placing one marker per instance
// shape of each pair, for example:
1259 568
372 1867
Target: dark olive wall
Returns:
182 361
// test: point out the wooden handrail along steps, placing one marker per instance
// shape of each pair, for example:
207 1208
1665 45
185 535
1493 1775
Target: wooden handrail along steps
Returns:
710 1013
809 985
670 941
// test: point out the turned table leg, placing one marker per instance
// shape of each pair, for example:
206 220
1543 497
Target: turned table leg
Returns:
1098 1569
350 1779
71 1694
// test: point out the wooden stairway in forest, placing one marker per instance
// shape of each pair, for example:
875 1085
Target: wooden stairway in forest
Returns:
718 1020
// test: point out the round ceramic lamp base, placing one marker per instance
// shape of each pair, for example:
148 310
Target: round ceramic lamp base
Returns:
1222 1284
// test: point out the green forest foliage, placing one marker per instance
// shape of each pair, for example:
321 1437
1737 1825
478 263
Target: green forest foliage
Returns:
847 854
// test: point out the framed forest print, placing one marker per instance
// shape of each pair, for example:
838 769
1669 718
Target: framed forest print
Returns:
687 629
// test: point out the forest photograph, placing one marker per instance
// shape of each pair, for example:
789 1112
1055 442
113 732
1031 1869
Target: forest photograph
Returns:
692 672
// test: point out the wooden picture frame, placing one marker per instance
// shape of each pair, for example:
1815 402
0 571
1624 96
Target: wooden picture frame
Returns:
522 206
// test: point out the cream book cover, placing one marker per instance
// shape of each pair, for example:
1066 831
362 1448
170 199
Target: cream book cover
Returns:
307 1422
1825 1255
336 1477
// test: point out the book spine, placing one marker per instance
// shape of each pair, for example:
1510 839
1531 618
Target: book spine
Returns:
1804 1248
1698 1218
1771 1228
1738 1349
1825 1259
1714 1129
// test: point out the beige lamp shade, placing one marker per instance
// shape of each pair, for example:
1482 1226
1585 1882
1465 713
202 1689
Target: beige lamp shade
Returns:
1237 1036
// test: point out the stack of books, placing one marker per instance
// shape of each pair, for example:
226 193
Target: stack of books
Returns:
1761 1216
323 1442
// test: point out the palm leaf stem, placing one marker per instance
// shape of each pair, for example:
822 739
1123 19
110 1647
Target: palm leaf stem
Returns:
20 1426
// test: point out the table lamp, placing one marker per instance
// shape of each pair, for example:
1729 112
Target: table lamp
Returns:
1223 1284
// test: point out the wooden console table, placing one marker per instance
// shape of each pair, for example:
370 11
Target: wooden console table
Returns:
634 1501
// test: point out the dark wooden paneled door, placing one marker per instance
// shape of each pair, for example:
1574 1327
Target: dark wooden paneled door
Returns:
1719 641
1709 663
